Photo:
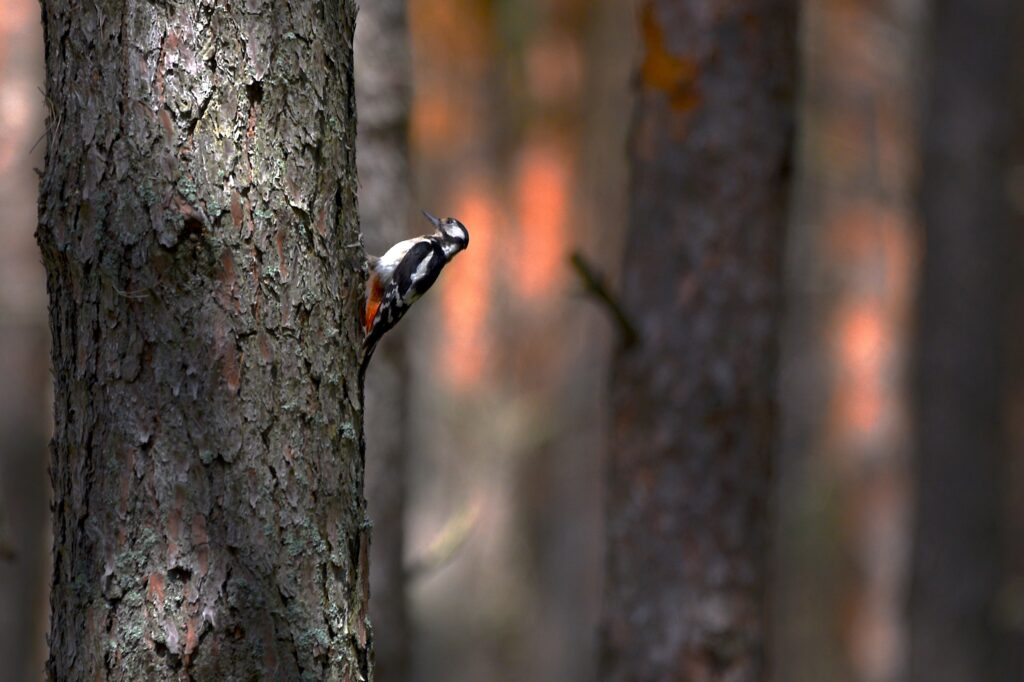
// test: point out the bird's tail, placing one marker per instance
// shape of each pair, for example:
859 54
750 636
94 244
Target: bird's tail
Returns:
368 347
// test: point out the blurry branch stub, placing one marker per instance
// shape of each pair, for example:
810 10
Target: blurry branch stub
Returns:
694 407
447 544
196 220
594 285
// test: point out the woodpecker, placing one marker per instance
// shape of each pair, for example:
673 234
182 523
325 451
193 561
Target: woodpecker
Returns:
403 274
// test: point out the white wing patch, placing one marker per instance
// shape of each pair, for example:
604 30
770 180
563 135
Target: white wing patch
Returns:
387 263
421 271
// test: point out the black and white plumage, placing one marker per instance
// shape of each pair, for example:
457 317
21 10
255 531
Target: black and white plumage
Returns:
404 273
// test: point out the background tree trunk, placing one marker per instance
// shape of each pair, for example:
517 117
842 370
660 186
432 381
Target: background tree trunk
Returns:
969 259
198 226
843 490
383 93
24 353
694 404
1011 604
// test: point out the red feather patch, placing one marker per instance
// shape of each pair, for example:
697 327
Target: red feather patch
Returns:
374 294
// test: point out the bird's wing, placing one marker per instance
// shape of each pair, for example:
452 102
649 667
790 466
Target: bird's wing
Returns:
418 271
382 268
394 256
409 280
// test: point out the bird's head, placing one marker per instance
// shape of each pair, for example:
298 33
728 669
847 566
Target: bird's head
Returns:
451 231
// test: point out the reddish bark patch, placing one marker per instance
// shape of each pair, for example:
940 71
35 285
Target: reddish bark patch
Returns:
231 369
236 209
227 277
264 344
155 589
673 74
227 262
168 125
270 650
191 638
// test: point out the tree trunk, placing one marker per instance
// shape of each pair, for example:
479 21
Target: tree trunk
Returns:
198 227
958 562
694 404
843 493
383 92
1011 605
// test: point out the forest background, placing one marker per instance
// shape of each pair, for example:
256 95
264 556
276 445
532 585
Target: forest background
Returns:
897 523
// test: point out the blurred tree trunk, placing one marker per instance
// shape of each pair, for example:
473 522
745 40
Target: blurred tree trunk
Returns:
1011 604
842 526
383 93
198 227
958 560
694 403
24 353
24 494
561 482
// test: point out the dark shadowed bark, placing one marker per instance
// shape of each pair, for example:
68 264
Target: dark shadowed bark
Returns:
958 562
694 404
383 91
198 226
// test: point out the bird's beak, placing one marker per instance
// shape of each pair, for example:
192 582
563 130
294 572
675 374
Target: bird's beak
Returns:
433 219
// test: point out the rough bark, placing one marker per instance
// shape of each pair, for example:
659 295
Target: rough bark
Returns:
961 458
198 227
383 93
694 405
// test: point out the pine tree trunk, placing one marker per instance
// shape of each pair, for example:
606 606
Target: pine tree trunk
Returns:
958 565
694 404
198 227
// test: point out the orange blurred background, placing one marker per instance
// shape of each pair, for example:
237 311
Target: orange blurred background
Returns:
519 127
